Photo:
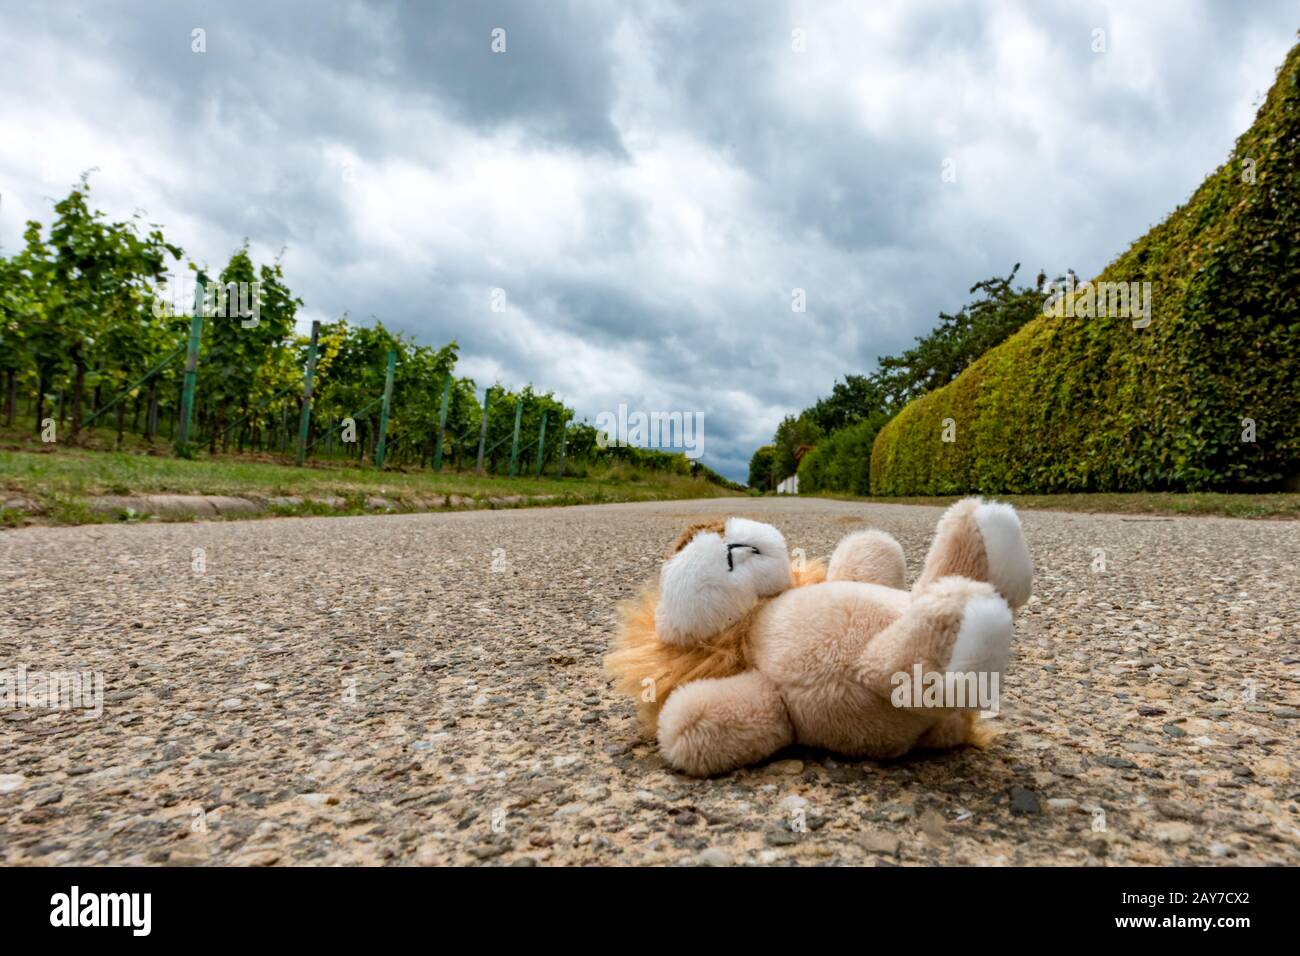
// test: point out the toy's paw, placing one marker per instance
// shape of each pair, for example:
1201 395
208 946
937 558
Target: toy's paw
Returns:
948 650
718 724
872 556
717 577
983 644
1011 570
983 541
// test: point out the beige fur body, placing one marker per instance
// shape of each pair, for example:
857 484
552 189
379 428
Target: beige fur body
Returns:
649 670
814 664
808 642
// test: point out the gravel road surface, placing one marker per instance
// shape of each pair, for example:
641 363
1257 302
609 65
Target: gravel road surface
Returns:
427 689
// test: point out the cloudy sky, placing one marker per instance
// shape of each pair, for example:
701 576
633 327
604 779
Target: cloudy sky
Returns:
648 182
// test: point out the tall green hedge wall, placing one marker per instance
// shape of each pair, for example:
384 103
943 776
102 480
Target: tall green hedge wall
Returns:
1094 404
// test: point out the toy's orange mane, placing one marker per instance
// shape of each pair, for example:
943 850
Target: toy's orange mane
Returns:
648 670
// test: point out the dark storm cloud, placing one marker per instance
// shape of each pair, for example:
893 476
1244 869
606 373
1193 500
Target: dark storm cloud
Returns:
555 80
647 182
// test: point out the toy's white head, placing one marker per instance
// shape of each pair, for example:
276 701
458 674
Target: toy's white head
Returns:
719 572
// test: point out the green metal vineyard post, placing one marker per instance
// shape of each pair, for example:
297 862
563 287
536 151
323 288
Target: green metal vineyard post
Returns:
304 424
442 422
383 413
482 431
514 446
564 436
192 362
541 445
126 394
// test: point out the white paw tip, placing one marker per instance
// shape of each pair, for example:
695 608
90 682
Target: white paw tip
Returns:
1011 570
983 644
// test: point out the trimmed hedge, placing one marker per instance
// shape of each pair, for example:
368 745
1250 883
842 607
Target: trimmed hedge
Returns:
1094 404
842 461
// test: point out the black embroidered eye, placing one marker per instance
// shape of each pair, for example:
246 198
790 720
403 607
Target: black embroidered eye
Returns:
730 566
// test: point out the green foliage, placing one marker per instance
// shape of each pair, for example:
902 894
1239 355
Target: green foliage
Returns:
1095 404
849 401
67 292
245 360
84 316
584 457
791 434
350 372
14 311
760 468
842 462
937 358
501 428
700 470
856 410
998 310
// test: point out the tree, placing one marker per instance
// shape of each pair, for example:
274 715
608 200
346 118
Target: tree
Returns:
15 309
760 468
842 462
850 400
246 359
99 274
999 310
790 435
45 346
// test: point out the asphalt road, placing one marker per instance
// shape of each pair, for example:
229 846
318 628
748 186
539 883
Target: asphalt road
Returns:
426 689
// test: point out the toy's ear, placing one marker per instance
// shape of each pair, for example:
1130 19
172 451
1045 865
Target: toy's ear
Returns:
759 549
716 578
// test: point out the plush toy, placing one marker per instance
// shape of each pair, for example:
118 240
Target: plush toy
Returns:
737 654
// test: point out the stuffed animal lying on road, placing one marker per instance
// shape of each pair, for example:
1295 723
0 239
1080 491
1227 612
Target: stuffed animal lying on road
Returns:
737 654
